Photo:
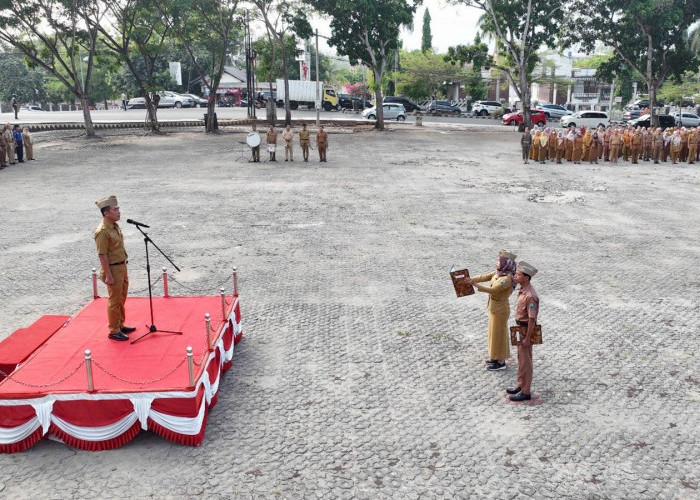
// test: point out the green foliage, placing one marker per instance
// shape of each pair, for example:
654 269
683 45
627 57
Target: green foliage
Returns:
685 88
647 36
594 61
477 55
427 38
268 69
423 74
17 78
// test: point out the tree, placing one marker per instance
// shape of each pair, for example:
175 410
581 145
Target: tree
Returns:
208 26
520 28
423 74
427 40
367 31
646 35
15 78
59 36
134 31
281 18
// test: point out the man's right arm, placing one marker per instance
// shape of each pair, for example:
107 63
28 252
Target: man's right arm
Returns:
104 262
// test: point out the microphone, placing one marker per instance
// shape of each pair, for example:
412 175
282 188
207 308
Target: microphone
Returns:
131 221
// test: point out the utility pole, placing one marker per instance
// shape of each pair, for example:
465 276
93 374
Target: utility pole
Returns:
318 94
250 77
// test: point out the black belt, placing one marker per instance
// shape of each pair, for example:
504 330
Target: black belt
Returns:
119 263
522 323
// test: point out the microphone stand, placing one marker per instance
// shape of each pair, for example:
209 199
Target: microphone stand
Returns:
152 328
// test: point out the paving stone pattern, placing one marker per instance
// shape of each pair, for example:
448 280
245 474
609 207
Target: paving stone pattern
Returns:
361 375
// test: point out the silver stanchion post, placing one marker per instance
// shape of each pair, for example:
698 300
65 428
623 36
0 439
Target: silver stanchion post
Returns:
88 366
190 365
235 283
223 305
165 282
207 318
94 283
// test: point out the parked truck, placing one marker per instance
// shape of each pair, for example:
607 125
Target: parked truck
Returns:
303 93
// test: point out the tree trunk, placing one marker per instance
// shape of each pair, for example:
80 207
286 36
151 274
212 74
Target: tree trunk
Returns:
211 107
285 75
89 128
152 115
525 98
379 98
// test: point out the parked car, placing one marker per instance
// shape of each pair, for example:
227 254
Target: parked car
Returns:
485 108
586 118
687 119
392 111
198 101
31 108
408 105
631 114
537 116
644 121
167 100
443 107
345 101
554 110
640 104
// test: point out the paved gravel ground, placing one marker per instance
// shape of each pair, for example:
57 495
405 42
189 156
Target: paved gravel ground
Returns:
361 375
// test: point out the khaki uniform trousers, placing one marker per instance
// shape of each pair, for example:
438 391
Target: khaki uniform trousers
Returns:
322 152
29 150
288 150
116 313
525 368
305 149
10 147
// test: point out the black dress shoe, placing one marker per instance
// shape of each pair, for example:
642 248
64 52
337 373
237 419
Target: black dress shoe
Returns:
514 390
520 397
118 336
128 329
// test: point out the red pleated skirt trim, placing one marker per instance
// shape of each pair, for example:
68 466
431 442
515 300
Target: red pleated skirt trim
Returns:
187 439
108 444
25 444
226 366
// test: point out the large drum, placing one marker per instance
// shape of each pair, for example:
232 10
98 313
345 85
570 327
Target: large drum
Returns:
253 140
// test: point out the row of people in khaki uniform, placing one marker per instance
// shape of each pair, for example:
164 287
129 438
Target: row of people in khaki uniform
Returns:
13 144
288 138
678 144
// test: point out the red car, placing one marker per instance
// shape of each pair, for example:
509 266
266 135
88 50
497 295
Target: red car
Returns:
536 115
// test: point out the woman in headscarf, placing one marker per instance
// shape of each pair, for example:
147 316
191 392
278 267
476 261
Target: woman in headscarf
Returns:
587 140
561 146
676 146
535 150
595 147
552 144
544 140
502 285
578 147
570 136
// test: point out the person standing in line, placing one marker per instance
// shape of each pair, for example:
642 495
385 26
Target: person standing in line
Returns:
578 147
272 143
304 140
615 142
288 136
3 151
595 147
28 144
10 145
19 147
570 137
124 101
544 145
657 145
636 142
587 139
535 149
676 146
606 144
321 143
498 307
693 139
113 273
552 153
561 146
526 310
526 144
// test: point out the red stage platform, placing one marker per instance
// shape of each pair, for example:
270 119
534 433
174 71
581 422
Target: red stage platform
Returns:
142 386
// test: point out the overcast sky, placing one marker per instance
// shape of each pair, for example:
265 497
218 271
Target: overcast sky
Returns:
450 25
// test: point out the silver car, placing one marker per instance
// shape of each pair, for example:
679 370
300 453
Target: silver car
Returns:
687 119
392 111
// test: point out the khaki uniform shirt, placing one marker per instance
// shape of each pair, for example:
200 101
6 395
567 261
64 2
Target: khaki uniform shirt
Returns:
304 136
288 135
321 138
272 137
110 242
528 304
9 138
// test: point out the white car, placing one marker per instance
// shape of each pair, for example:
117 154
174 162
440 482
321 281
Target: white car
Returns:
555 111
485 108
687 119
589 119
392 111
167 100
31 109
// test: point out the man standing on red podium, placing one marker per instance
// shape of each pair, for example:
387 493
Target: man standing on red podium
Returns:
113 259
